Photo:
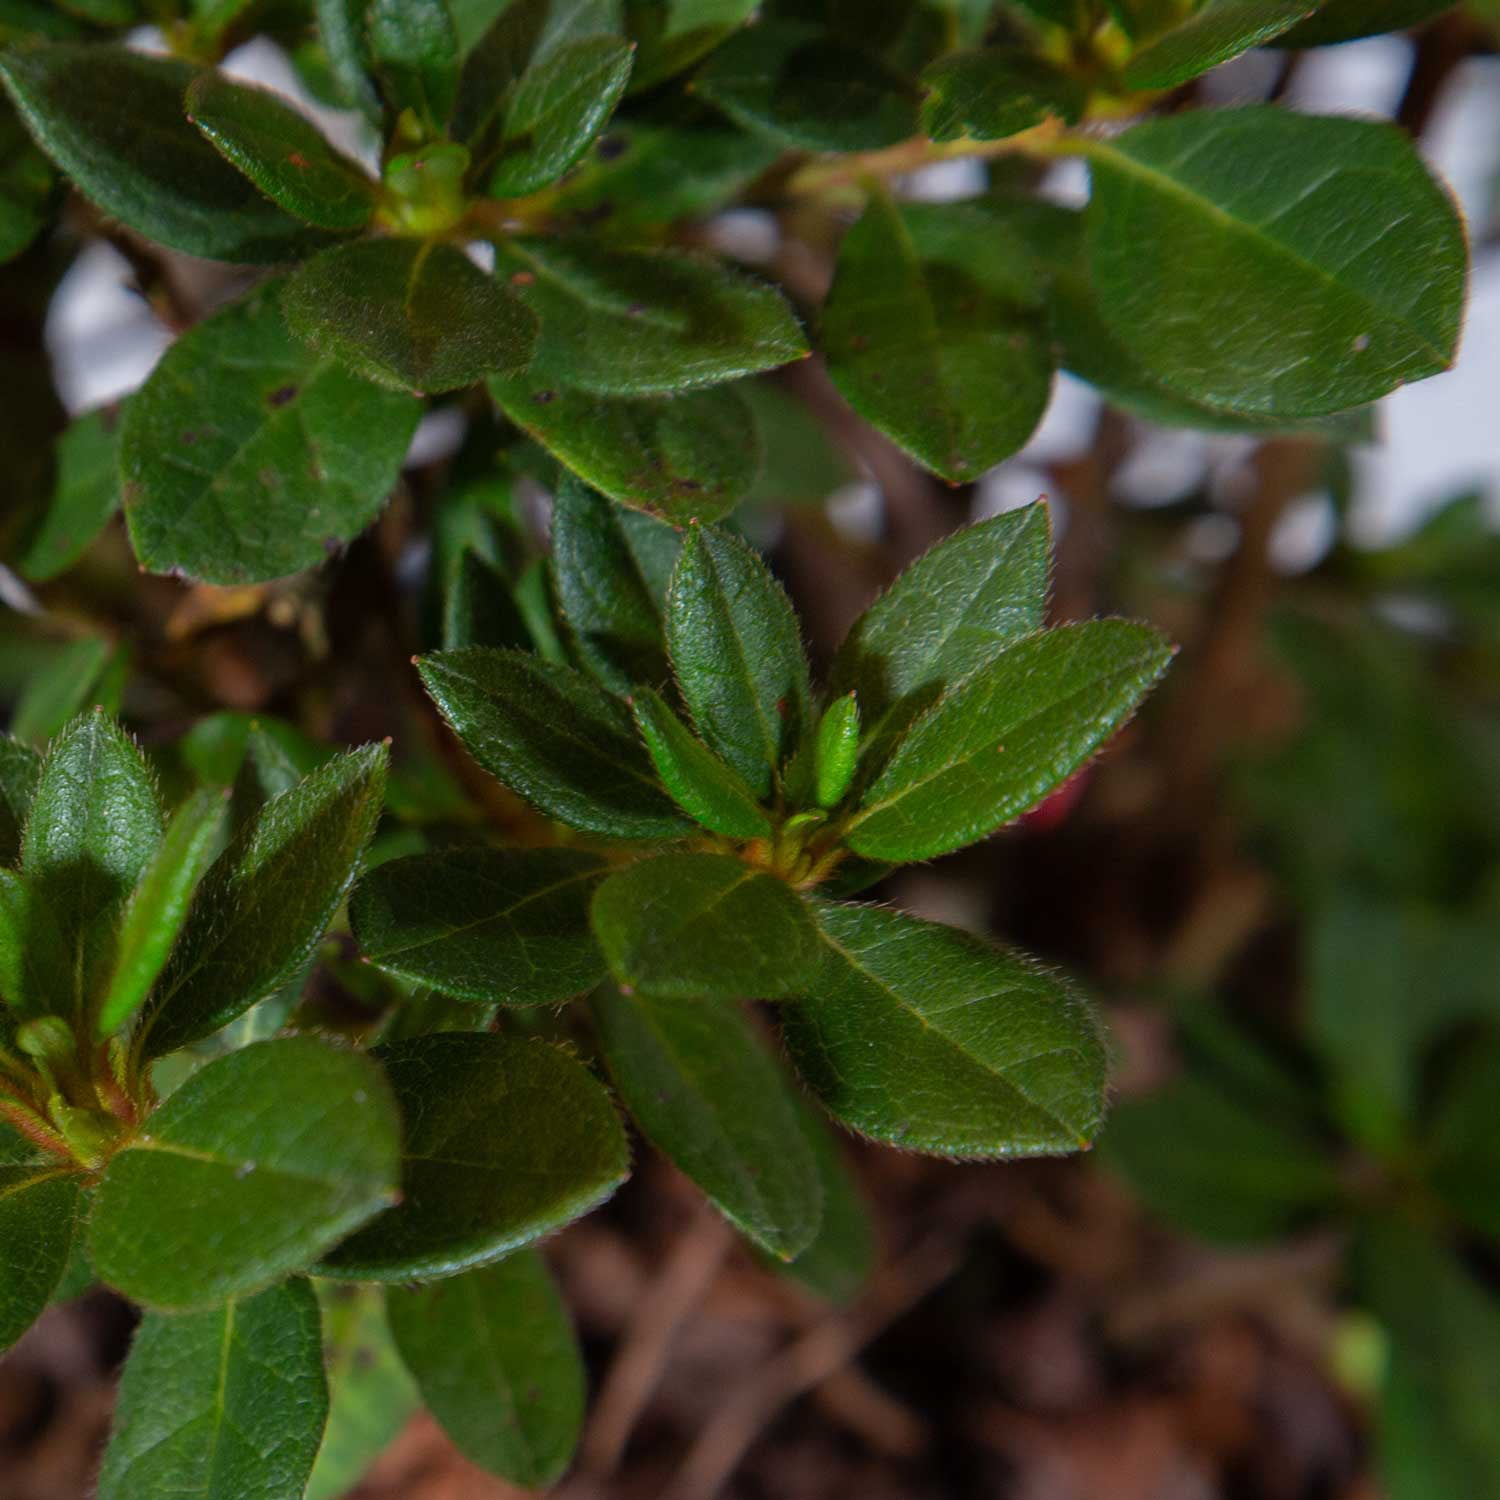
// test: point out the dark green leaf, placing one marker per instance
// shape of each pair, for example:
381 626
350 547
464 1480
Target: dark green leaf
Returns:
674 34
934 331
38 1217
220 1403
414 52
498 1365
506 1140
705 1092
258 1163
935 1040
84 497
80 674
1002 738
484 924
700 783
685 926
642 323
282 152
1220 30
994 92
554 737
341 30
480 608
1346 20
1221 249
26 183
266 902
1462 1140
160 176
737 654
803 87
804 463
20 766
36 965
247 455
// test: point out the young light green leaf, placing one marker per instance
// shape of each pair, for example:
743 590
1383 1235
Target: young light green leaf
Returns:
158 906
1258 260
686 926
1220 30
737 653
1006 735
226 1402
994 92
414 52
507 1139
837 750
266 902
85 496
281 151
706 1093
645 322
934 1040
410 314
247 455
39 1205
20 768
507 925
934 331
160 177
700 783
498 1364
261 1161
682 458
554 737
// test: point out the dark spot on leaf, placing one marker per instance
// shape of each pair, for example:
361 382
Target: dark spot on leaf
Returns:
297 159
281 395
612 147
130 493
522 278
635 309
269 478
364 1359
781 707
858 342
188 438
543 397
331 545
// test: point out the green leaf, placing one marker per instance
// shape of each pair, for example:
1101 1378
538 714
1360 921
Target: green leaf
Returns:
947 615
507 1139
341 30
700 783
26 184
1220 30
281 151
158 906
994 92
686 457
934 331
837 751
83 673
498 1364
484 924
408 314
84 497
20 767
645 322
934 1040
737 653
1002 738
1347 20
1220 248
480 608
370 1395
554 737
674 34
1465 1152
95 824
36 966
38 1218
267 900
160 177
219 1403
803 87
804 462
685 926
261 1161
246 455
706 1093
610 569
414 52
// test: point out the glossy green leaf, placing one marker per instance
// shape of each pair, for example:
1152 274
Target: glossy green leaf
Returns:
554 737
410 314
219 1403
737 653
480 608
1221 250
703 1089
414 53
160 177
610 569
38 1217
84 497
645 322
267 900
1462 1142
1003 737
247 455
341 31
20 766
1346 20
994 92
261 1161
700 783
281 151
934 331
496 1359
484 924
686 926
804 87
158 906
934 1040
1220 30
685 457
837 748
673 34
26 184
507 1139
